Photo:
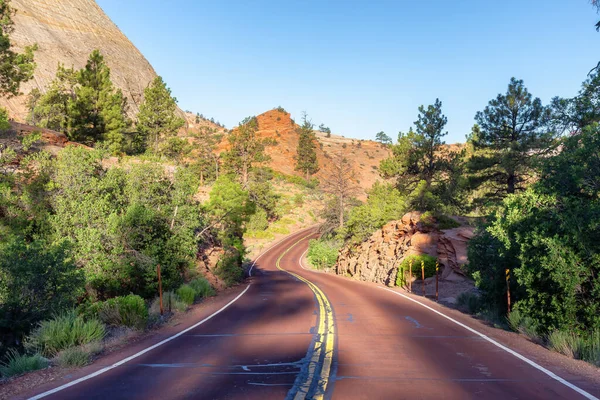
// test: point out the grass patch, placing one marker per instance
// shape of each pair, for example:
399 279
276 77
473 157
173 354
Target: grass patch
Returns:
524 325
259 235
17 364
202 288
78 356
127 311
171 303
187 294
469 302
64 331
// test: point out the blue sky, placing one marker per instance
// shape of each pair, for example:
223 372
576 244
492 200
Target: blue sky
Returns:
360 66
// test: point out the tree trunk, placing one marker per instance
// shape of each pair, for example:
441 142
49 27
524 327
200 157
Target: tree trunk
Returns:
511 183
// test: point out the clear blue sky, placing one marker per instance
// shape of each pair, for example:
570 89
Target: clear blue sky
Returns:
360 66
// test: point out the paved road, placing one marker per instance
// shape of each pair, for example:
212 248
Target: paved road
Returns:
302 334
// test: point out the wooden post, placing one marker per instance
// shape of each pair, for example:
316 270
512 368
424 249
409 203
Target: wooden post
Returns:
508 288
160 289
410 275
423 276
437 269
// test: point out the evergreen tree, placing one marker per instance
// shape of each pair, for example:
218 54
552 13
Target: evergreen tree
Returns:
157 119
52 109
206 163
98 111
509 137
15 68
306 159
382 138
246 150
418 162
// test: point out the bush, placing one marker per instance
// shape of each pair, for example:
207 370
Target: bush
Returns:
566 343
187 294
127 310
322 253
404 268
298 199
17 364
229 267
171 303
445 222
78 356
259 235
202 288
258 221
64 331
522 323
469 302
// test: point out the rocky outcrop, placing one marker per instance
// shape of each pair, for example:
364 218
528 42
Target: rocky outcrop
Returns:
377 258
67 31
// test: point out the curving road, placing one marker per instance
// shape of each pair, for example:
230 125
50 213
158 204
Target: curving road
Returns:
294 333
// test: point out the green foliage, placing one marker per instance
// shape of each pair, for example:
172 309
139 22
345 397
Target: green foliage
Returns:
127 311
78 356
522 323
548 238
440 221
323 253
229 267
36 280
157 119
384 203
469 302
171 303
417 260
382 138
423 168
4 124
298 199
18 364
15 68
64 331
325 130
583 347
510 131
258 221
306 157
98 111
187 294
202 288
246 150
263 195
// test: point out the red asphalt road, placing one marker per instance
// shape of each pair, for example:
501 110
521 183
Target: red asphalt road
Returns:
386 347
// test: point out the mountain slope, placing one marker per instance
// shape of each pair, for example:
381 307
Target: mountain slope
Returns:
67 31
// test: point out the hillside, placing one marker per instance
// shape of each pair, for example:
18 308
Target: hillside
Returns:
67 31
365 154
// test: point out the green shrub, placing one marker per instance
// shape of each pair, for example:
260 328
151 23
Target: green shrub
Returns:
583 347
427 218
404 268
258 221
202 288
522 323
78 356
566 343
17 364
279 229
469 302
187 294
171 303
229 267
445 222
127 310
322 253
64 331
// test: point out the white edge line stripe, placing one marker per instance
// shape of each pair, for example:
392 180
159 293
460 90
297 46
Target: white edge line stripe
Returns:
508 350
300 260
123 361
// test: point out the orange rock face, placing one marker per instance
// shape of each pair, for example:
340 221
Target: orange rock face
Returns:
377 258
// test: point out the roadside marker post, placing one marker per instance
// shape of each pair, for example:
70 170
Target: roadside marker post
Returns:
423 277
437 269
159 289
410 276
508 288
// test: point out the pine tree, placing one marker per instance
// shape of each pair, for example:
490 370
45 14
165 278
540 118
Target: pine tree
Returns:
52 109
15 68
246 150
98 111
509 136
157 119
306 159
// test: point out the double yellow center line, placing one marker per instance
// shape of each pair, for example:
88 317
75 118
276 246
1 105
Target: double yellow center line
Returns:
323 344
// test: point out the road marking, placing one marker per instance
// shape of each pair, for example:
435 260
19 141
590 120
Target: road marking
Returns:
273 245
325 336
508 350
125 360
